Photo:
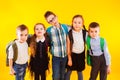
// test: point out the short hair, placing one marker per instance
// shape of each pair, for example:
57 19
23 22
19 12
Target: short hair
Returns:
93 25
21 27
48 13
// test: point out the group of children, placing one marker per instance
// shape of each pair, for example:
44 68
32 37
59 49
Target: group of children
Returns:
67 47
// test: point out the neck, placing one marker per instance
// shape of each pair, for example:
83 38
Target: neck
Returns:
40 37
20 41
57 25
78 30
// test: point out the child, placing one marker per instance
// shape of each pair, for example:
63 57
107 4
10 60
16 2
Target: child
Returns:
18 68
76 47
39 53
57 33
100 59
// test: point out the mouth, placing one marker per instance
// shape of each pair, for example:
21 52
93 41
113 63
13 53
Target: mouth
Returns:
39 32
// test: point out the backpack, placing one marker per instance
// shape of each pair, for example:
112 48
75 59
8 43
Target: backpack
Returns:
15 51
89 49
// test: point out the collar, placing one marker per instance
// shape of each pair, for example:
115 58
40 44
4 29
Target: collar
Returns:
96 37
41 39
80 32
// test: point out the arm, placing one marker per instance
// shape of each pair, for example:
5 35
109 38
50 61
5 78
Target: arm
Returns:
10 57
12 72
69 52
107 57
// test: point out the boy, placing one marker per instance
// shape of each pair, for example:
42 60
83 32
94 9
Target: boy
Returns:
57 33
18 67
100 59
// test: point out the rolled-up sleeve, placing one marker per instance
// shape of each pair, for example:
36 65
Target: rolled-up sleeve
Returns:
10 54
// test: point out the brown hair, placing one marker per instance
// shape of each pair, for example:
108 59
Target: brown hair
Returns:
21 27
76 16
93 25
33 40
48 13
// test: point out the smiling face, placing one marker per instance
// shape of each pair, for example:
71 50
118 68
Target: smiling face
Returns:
52 19
22 35
77 23
94 32
39 30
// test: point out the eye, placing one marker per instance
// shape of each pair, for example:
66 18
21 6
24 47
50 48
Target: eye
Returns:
91 31
41 28
95 31
79 22
36 29
21 34
26 34
74 22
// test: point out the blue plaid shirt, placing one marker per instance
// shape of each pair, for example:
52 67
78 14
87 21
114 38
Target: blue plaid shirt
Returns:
58 40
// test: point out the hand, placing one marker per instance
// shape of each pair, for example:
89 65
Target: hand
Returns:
12 71
70 62
49 67
108 70
47 72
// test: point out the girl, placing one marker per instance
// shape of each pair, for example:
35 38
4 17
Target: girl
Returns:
76 47
39 56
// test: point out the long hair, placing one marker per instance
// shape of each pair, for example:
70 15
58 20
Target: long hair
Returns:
33 47
33 40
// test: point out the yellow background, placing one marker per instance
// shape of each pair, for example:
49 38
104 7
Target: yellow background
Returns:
29 12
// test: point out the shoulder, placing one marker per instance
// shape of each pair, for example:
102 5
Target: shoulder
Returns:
65 27
49 29
102 39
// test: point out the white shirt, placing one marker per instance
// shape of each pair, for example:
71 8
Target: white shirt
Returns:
22 52
78 45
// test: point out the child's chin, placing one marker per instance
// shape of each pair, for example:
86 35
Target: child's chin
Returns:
93 37
22 41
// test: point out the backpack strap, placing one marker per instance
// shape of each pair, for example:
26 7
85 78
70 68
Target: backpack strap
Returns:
70 38
102 44
88 42
84 34
15 51
65 28
49 32
70 35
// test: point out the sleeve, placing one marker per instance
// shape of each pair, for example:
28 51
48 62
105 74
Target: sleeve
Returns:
28 39
10 54
107 54
69 27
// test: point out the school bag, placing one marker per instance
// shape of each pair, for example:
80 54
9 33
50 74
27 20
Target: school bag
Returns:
15 51
89 49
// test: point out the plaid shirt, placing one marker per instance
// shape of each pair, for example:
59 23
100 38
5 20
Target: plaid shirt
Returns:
58 40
